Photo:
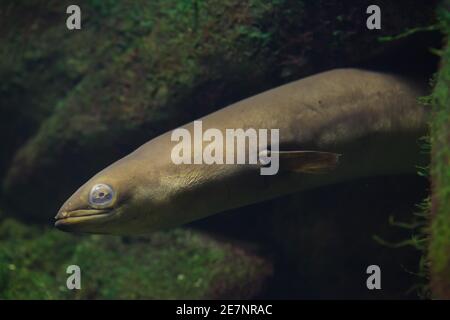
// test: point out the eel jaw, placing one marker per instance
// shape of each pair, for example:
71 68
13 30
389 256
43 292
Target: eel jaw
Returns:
78 219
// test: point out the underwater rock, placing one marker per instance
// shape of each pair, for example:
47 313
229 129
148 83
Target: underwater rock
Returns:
153 67
178 264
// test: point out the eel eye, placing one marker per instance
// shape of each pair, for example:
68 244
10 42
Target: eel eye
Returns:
101 196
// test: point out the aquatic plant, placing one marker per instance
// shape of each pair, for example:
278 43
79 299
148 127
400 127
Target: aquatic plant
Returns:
439 246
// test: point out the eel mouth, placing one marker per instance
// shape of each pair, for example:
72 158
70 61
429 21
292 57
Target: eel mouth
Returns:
68 221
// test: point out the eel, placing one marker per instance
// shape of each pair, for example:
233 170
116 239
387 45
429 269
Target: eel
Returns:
371 119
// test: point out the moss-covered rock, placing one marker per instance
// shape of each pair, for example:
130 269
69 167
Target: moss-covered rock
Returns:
439 247
179 264
137 69
41 61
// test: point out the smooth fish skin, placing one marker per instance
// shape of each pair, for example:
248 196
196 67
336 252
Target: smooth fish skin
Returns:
372 119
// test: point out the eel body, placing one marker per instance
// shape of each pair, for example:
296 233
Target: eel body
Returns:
373 120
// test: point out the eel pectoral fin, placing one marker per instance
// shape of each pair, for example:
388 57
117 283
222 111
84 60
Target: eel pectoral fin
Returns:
307 161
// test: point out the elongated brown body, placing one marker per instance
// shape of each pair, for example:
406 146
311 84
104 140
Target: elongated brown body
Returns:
372 119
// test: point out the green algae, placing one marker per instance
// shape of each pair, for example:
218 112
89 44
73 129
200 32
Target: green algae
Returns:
439 247
178 264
